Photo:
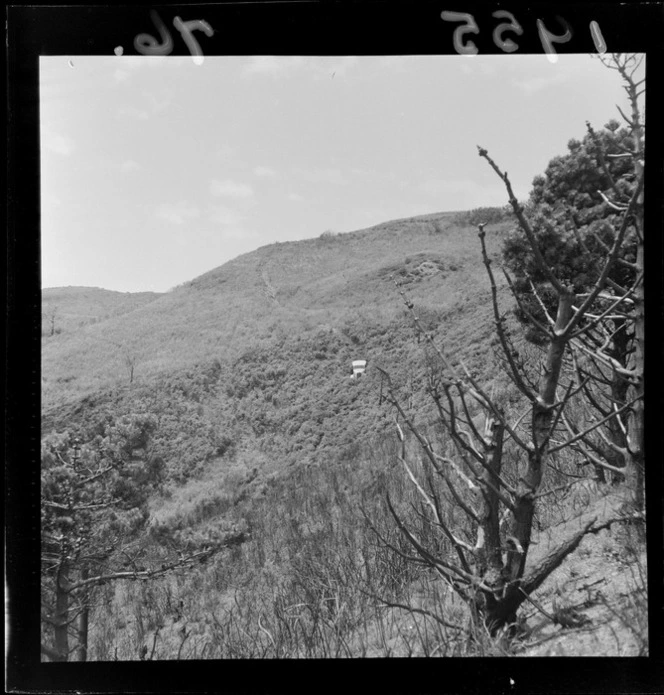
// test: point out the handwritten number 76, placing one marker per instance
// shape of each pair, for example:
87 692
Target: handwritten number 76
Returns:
148 45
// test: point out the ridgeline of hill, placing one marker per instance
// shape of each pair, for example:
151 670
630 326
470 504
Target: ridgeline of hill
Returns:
256 355
64 309
258 352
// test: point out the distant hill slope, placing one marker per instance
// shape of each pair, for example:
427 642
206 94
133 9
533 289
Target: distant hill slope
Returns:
279 290
253 359
66 309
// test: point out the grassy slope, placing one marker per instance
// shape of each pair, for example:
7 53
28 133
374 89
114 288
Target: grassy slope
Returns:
74 307
247 369
265 298
248 365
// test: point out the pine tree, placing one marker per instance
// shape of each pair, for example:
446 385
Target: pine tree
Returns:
93 504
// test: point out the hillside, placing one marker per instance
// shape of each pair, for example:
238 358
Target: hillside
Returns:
262 299
66 309
258 352
245 374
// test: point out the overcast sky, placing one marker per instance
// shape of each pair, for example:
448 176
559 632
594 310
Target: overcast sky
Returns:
156 170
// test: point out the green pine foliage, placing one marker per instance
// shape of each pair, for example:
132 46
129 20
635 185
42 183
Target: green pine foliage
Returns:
572 222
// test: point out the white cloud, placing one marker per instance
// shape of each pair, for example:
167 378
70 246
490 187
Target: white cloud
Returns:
130 165
539 73
223 151
126 66
319 66
230 189
133 113
227 223
177 213
265 172
391 62
232 232
478 65
224 215
331 175
57 143
120 75
446 187
537 83
295 197
158 101
49 199
152 103
263 64
463 194
272 65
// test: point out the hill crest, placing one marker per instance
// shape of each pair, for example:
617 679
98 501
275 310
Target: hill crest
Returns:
259 299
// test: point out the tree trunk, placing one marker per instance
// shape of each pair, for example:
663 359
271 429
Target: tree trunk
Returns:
636 421
619 389
83 620
83 634
488 548
502 611
542 419
635 469
61 617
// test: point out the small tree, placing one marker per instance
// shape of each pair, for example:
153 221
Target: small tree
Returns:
93 501
575 209
51 315
130 364
94 507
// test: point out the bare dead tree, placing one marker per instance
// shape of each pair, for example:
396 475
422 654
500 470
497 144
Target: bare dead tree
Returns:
52 314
